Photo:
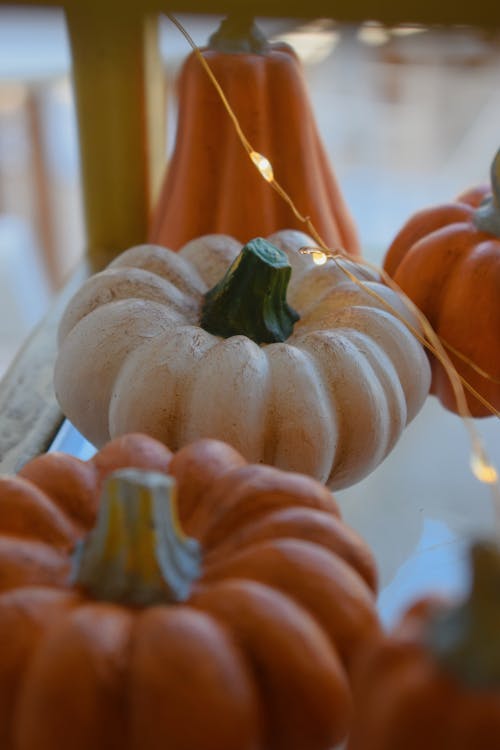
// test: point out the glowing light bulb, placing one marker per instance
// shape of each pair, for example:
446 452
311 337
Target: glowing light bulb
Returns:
483 470
318 257
263 165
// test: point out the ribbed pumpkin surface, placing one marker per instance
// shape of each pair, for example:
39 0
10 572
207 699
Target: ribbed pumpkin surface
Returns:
211 185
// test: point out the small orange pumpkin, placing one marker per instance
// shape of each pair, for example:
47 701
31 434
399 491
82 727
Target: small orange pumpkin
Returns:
135 635
211 186
435 682
447 260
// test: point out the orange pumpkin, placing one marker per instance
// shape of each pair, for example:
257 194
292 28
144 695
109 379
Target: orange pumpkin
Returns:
435 682
136 636
447 260
211 186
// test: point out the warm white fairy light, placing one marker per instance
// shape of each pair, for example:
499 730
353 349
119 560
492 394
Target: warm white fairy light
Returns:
318 257
483 469
263 165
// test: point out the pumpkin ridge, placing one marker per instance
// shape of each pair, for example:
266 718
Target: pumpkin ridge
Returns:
454 276
309 524
368 401
196 466
384 371
67 481
458 239
234 365
29 562
243 485
276 563
235 159
135 321
424 222
250 607
302 131
216 708
279 68
401 339
260 201
311 423
86 643
211 255
161 262
24 617
480 267
168 364
28 512
115 284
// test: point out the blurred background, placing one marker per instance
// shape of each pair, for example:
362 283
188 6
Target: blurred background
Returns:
409 116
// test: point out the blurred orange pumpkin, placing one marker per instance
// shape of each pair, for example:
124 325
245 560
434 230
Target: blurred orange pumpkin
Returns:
447 260
435 682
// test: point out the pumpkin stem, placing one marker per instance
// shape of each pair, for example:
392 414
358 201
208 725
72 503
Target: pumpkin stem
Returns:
466 639
487 216
137 553
251 298
238 33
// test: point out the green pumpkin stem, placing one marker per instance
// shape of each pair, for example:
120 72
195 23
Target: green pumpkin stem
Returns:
251 298
466 639
487 216
137 553
238 33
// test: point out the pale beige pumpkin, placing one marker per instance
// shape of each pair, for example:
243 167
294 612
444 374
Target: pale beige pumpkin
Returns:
330 401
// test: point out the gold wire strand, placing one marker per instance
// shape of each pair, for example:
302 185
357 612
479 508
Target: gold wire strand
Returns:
466 360
480 463
215 82
245 142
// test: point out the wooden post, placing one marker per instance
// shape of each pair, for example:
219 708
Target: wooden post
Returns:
117 77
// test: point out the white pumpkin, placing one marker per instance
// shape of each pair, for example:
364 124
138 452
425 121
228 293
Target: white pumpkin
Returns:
330 401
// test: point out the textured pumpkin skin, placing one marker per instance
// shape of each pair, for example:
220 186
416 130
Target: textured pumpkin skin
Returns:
404 699
211 185
267 636
451 271
331 401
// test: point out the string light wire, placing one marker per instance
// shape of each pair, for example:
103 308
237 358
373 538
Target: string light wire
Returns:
481 466
262 163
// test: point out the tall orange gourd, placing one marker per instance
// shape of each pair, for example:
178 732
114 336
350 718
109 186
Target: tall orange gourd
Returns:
211 185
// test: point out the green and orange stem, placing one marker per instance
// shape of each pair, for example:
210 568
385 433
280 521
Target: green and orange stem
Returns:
250 300
238 34
487 216
466 639
137 553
